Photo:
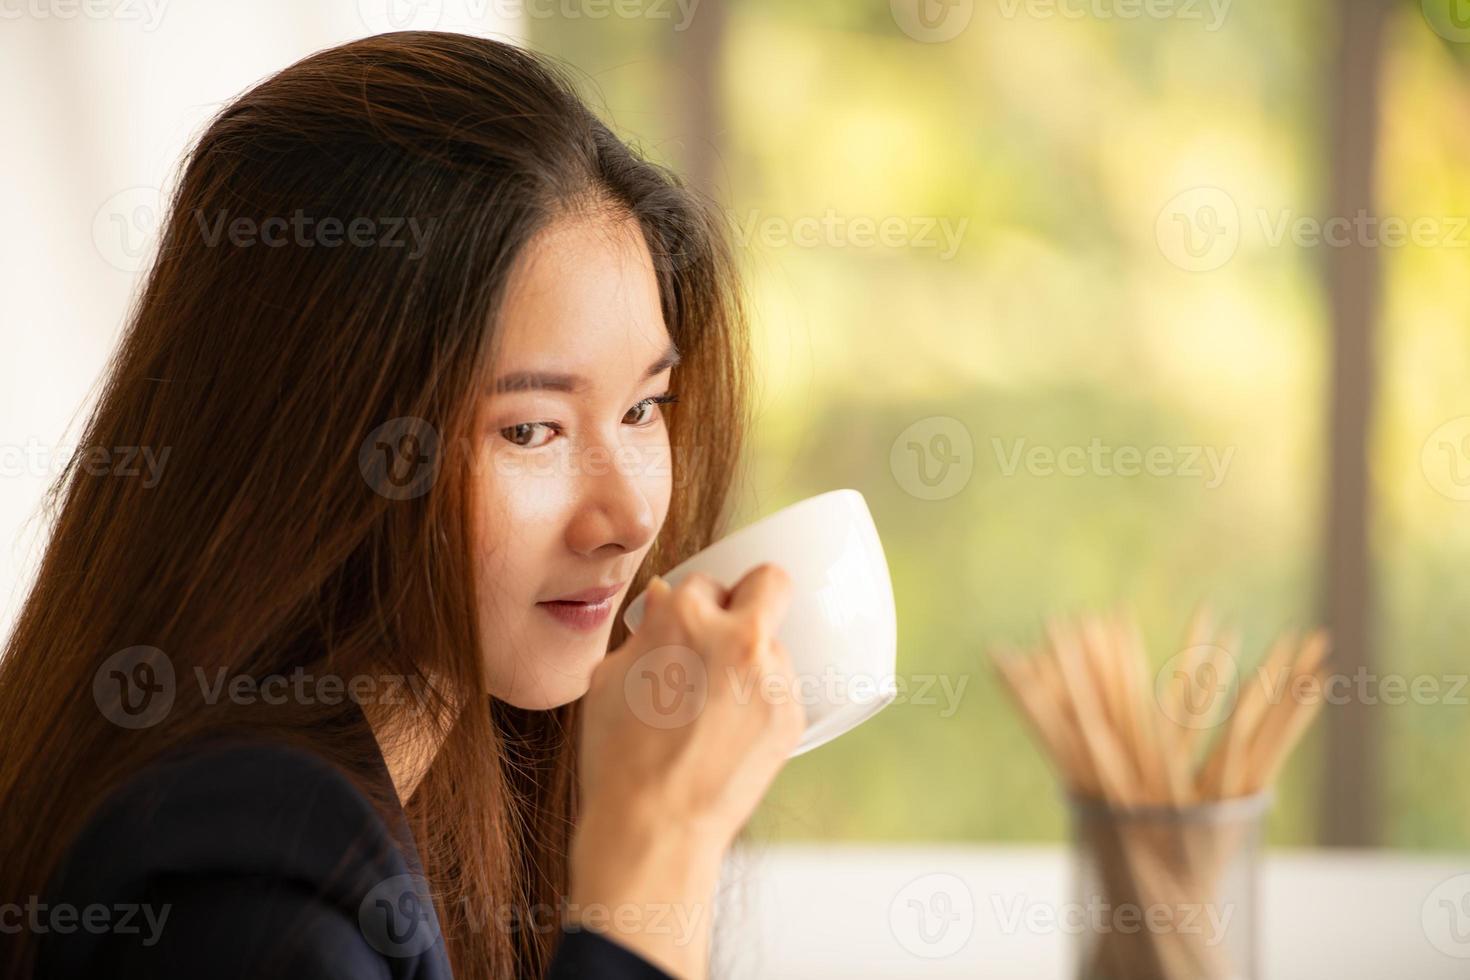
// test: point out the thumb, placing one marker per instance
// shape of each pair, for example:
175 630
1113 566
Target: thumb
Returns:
658 590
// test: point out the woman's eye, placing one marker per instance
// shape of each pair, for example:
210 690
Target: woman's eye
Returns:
642 413
534 435
523 434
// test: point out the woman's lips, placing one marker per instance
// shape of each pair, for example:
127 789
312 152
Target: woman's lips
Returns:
594 594
585 610
584 616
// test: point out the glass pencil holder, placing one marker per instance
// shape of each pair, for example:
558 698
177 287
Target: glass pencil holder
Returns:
1166 892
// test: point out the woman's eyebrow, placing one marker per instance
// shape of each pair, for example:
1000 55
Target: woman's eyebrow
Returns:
572 383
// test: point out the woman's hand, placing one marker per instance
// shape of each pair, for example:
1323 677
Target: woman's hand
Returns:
683 729
688 722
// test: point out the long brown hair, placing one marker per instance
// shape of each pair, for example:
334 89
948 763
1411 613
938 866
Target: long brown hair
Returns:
265 367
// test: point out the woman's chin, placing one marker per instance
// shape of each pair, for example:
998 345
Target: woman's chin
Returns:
550 686
548 697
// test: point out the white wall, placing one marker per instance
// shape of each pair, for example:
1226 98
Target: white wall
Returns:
955 912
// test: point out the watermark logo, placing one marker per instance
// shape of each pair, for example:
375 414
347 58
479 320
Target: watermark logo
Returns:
1445 916
400 458
1445 458
934 458
134 688
382 16
126 227
667 687
1195 688
1450 19
933 916
1198 230
932 21
397 916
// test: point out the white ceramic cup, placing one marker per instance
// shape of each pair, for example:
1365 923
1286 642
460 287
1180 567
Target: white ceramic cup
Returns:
841 630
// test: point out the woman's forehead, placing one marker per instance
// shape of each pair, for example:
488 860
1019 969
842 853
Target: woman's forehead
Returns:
584 301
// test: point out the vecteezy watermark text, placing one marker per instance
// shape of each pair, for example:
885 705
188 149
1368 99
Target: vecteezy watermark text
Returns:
940 234
397 917
421 15
679 11
1200 229
1202 691
136 687
307 231
1096 915
1211 12
1099 459
63 919
148 13
668 687
36 458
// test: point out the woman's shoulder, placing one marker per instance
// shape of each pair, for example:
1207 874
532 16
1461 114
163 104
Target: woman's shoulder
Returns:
235 855
232 804
242 858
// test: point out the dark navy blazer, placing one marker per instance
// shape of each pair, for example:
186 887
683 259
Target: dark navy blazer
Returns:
249 859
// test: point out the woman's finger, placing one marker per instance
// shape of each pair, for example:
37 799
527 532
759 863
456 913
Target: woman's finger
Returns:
695 601
764 594
705 587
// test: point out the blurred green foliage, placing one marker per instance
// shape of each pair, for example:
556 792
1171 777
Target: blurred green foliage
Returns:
1060 320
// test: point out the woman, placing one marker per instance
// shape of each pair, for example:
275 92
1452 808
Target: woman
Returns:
331 695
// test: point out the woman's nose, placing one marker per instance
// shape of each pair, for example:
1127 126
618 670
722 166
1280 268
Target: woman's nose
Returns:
614 512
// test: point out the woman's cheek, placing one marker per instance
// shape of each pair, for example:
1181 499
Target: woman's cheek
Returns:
659 481
531 486
515 504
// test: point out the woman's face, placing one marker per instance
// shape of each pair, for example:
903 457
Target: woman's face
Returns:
578 472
